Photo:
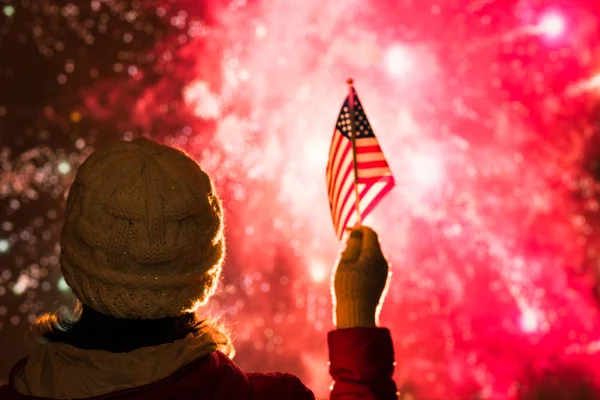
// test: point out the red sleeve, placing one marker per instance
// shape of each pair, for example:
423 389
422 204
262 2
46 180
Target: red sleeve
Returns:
279 386
362 364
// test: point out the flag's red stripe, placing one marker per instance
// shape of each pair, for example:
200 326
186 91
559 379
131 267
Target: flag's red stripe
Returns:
337 133
336 196
332 154
338 216
378 198
361 195
329 172
368 149
337 210
349 197
339 167
365 213
340 209
371 164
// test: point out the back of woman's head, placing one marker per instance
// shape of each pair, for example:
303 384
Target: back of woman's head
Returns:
142 245
143 233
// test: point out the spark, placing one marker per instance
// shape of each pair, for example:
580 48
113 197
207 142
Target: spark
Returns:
529 321
64 167
552 24
398 61
318 271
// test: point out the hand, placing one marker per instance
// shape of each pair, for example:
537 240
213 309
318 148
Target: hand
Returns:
359 281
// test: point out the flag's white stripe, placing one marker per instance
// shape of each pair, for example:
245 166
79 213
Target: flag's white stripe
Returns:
340 182
334 145
341 189
336 174
365 201
351 222
339 159
376 156
348 207
373 191
341 148
372 172
343 212
346 195
370 141
343 185
337 136
332 153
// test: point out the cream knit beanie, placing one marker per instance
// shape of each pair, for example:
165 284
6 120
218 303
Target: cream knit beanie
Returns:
143 234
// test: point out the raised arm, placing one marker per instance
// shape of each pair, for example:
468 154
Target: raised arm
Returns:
361 354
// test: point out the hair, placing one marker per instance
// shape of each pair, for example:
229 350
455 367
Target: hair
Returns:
88 329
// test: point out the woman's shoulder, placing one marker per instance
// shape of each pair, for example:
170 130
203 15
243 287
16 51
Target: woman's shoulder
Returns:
278 385
215 376
231 382
266 386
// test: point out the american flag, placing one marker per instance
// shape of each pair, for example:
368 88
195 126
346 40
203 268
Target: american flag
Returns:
375 179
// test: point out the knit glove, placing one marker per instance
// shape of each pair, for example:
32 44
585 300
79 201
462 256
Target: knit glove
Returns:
359 281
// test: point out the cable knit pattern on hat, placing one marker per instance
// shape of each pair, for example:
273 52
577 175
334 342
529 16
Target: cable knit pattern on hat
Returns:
143 234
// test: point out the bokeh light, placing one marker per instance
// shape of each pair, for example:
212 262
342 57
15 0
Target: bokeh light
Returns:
4 245
8 10
529 321
62 285
318 271
398 61
63 167
552 24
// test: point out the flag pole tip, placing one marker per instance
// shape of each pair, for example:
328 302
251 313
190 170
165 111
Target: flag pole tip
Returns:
350 81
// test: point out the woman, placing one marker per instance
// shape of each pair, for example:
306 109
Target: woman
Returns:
141 248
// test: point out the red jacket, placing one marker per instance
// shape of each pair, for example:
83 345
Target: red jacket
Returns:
361 364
